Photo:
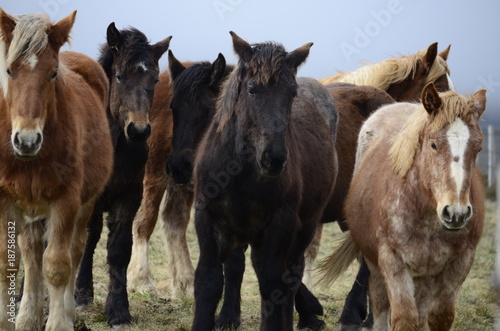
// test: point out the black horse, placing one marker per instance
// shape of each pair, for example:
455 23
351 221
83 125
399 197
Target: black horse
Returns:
131 64
264 172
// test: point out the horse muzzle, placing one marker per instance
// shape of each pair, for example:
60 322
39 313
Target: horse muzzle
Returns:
454 218
138 133
27 143
272 164
180 167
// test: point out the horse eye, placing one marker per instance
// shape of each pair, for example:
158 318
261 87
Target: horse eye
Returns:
433 146
9 73
54 75
118 78
251 89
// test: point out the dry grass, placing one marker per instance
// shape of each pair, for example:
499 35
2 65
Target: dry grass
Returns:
476 306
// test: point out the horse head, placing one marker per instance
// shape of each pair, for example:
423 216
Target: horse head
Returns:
193 104
131 64
452 142
267 90
30 66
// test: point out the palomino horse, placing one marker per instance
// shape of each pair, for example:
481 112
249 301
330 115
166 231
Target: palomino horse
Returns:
131 65
254 185
403 78
415 208
55 159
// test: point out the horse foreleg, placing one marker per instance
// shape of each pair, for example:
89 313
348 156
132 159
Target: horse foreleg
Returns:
310 256
446 285
139 275
57 264
78 245
354 312
30 316
84 282
119 247
234 268
208 283
9 266
400 290
175 216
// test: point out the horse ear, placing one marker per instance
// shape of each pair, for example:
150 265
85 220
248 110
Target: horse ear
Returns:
161 47
218 69
480 102
444 54
174 66
296 57
7 25
59 32
241 47
430 56
431 99
114 38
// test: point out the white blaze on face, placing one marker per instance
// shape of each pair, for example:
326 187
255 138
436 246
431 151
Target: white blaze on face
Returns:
450 83
458 138
32 61
142 66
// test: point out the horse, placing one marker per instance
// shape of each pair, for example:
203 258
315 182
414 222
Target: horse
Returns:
175 200
403 79
131 66
415 208
253 184
55 157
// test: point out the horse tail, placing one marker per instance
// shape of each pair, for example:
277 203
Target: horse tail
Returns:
337 263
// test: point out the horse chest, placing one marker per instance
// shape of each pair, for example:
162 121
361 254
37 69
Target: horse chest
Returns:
426 251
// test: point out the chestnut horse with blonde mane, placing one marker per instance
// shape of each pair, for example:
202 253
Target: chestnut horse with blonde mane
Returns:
415 208
402 77
55 158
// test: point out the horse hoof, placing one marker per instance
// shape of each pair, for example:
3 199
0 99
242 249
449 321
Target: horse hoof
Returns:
312 324
227 323
83 300
118 320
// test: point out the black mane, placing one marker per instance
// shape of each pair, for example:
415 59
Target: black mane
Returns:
136 46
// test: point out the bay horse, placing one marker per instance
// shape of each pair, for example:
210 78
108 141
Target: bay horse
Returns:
415 208
55 159
131 66
253 183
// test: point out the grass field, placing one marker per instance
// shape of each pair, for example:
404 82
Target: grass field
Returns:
476 305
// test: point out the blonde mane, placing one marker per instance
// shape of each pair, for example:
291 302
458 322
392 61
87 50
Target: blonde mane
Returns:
28 38
391 71
406 143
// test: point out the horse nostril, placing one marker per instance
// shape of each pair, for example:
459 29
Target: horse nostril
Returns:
38 138
469 213
17 142
446 214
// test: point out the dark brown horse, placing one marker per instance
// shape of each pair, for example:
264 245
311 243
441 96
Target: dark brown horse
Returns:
55 159
415 208
131 65
263 174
